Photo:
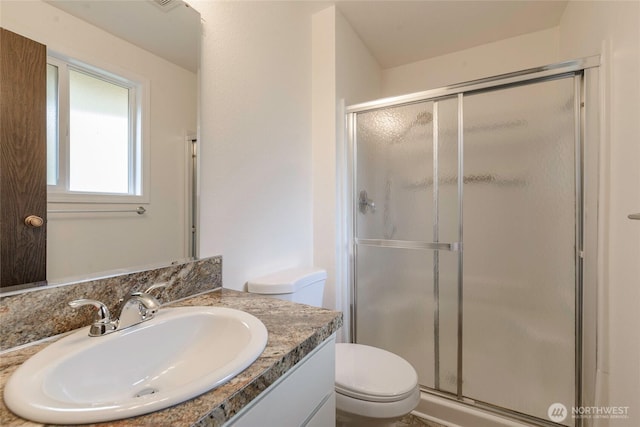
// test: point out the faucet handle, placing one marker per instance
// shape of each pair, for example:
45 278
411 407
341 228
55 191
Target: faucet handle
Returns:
139 306
156 286
101 314
147 291
102 323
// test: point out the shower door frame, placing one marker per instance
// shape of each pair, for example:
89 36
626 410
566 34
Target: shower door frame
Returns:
585 73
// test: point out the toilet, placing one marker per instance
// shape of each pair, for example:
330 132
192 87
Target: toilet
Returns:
374 387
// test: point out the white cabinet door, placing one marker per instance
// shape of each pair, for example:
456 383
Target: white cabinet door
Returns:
326 414
303 396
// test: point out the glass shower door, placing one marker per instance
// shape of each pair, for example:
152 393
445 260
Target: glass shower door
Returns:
406 183
519 247
474 277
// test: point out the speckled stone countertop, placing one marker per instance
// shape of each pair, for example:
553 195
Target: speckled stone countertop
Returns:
294 331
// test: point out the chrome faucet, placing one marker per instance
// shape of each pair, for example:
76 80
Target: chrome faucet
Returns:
138 307
102 323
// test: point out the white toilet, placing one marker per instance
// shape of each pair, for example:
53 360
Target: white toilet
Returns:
373 386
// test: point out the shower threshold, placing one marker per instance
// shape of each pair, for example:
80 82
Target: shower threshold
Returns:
453 413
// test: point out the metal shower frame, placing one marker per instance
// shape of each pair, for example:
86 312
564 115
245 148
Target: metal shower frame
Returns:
585 74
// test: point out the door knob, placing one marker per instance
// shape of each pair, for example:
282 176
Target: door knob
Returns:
33 221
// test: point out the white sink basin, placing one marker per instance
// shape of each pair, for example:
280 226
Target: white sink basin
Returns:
179 354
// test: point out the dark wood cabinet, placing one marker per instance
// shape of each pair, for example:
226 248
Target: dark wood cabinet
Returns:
23 159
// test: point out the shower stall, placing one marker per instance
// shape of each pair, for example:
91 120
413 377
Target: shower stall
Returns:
471 236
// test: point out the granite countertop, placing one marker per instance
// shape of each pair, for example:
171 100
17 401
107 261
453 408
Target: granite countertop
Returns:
294 331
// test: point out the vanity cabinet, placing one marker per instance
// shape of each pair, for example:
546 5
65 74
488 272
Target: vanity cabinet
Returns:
304 396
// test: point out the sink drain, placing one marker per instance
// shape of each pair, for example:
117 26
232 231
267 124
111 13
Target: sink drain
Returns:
146 392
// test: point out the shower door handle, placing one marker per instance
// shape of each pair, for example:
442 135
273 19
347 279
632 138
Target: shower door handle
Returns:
365 203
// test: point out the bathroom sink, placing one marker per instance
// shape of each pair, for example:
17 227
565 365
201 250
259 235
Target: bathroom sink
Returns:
179 354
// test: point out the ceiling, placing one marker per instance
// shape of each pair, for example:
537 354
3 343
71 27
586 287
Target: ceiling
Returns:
172 32
401 32
396 32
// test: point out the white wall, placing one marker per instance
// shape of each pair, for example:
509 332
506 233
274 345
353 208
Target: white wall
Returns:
613 30
80 244
269 129
504 56
256 191
324 171
359 76
344 72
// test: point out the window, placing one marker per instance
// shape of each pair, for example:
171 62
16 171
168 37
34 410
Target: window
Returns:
94 129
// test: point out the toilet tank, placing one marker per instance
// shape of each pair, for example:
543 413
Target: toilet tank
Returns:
303 285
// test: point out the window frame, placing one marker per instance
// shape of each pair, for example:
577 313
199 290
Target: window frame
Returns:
139 102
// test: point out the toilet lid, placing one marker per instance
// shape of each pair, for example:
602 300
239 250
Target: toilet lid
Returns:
372 374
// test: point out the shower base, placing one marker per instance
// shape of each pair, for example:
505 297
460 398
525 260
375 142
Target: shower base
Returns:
453 414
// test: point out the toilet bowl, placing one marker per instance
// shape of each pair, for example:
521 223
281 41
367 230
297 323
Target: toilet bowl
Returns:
374 387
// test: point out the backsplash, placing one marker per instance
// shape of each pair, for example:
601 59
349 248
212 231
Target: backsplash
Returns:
44 312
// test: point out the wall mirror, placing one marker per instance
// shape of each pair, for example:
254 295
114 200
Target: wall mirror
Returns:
157 42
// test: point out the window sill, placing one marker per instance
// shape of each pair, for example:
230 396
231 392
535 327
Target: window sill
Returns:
53 197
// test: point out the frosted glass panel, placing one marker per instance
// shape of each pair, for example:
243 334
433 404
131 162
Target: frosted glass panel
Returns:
519 237
395 168
395 305
448 224
448 321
